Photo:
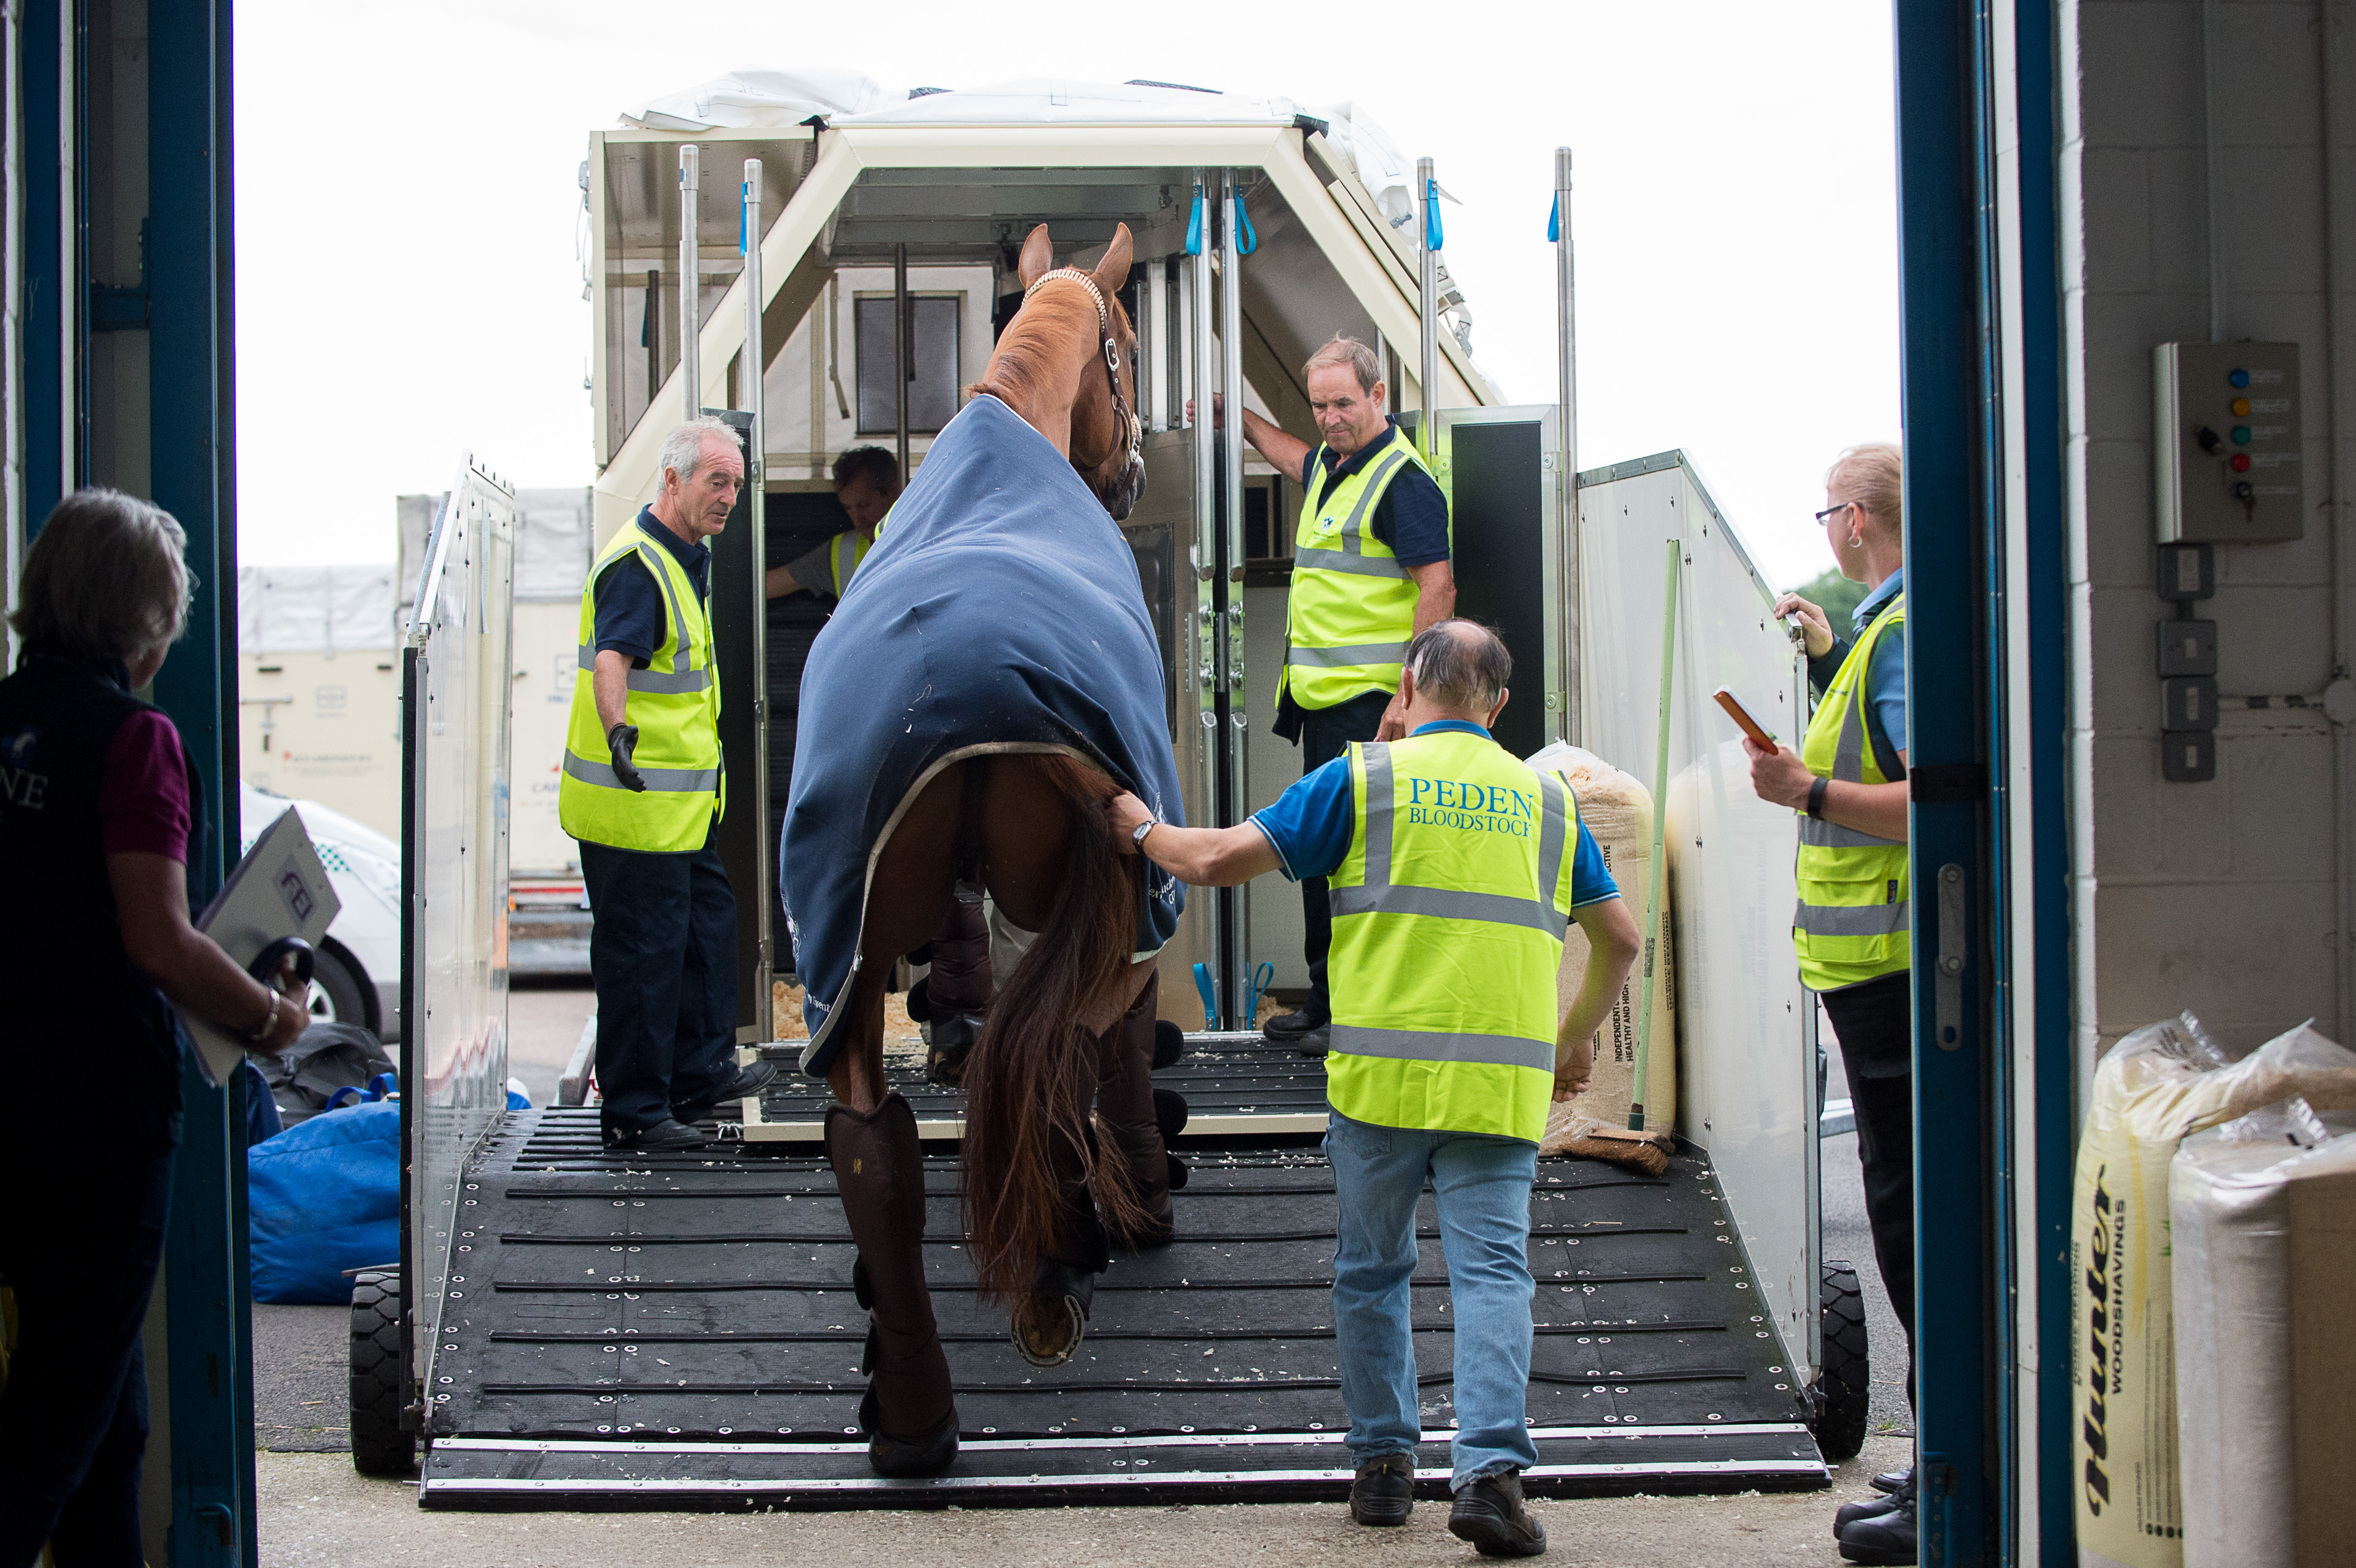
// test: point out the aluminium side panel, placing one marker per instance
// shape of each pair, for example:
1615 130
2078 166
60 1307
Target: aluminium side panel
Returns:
1747 1074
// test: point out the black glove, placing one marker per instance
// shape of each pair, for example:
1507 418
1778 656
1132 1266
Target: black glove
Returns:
622 740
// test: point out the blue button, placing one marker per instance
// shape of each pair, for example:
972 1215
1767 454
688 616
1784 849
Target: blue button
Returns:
2239 377
2241 436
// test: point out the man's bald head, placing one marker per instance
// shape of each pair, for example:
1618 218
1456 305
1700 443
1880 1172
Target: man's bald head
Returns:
1460 664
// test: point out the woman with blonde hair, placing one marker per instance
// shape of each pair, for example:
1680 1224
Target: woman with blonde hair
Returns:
1852 930
100 806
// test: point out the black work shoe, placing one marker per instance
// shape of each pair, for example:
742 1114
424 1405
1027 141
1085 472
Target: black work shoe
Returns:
1886 1539
748 1082
1873 1506
1489 1514
1316 1043
1890 1481
1291 1025
1383 1491
667 1136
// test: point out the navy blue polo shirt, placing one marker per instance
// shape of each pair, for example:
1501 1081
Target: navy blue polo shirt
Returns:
630 616
1412 515
1311 823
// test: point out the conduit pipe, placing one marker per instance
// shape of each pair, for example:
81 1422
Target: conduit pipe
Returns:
2339 696
691 318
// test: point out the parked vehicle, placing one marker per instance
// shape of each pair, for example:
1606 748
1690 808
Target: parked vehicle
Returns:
357 977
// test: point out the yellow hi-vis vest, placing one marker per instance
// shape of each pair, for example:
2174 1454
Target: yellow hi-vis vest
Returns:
1351 611
1854 922
675 704
1449 914
844 552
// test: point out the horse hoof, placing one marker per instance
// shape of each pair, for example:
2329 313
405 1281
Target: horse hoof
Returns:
1049 1321
925 1455
954 1035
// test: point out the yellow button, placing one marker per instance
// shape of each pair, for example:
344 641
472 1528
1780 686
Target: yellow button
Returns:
2240 406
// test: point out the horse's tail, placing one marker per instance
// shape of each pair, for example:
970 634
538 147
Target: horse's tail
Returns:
1032 1077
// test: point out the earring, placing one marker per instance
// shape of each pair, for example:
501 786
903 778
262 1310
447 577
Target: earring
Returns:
1856 540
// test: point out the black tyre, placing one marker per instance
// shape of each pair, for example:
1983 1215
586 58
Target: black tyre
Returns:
340 991
379 1445
1843 1386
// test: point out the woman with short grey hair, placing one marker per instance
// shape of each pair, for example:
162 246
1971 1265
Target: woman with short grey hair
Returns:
100 805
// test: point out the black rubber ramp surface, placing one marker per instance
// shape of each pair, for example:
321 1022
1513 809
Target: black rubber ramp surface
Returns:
680 1331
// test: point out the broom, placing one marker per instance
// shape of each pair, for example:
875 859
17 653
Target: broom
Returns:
1633 1148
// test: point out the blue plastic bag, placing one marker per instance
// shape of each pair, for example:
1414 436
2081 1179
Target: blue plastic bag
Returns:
324 1197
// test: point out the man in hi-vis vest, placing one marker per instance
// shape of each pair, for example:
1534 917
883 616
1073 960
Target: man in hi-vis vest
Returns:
1454 869
1370 569
641 791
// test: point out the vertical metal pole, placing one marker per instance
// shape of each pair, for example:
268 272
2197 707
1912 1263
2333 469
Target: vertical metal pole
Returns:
755 359
691 318
1427 195
1198 605
1574 711
1238 729
900 354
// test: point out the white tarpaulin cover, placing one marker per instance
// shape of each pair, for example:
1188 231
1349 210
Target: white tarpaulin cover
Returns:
754 97
314 609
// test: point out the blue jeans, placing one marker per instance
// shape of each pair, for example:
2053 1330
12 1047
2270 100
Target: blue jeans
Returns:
1484 1190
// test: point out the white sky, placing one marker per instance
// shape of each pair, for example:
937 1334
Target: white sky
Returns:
406 200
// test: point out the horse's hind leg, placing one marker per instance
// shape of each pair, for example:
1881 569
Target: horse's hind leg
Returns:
909 1413
1138 1118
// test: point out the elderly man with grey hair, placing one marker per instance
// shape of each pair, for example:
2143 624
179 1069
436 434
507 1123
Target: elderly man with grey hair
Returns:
1453 871
641 791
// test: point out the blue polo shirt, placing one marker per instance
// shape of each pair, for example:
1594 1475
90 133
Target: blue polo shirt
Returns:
1885 677
1311 823
1412 515
630 614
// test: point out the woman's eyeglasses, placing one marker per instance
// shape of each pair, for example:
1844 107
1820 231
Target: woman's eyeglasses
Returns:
1842 506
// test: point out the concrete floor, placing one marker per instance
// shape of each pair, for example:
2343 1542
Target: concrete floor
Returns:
317 1509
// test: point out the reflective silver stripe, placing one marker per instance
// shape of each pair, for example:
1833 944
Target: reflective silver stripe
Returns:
659 780
845 560
1355 565
680 623
1380 791
1435 1045
1448 904
1355 653
1832 835
1852 919
651 679
1353 535
1555 801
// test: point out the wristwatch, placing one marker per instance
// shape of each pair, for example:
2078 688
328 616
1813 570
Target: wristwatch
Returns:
1137 839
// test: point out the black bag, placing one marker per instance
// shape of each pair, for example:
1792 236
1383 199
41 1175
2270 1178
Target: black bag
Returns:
325 1057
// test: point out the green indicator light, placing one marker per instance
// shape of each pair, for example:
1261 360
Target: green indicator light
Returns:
2241 436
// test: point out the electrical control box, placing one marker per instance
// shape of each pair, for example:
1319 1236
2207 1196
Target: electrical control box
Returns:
2227 443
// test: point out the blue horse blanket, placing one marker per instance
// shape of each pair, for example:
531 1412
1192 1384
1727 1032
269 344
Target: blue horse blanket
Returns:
1000 610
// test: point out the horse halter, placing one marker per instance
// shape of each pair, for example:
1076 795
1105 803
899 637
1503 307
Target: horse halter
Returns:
1129 422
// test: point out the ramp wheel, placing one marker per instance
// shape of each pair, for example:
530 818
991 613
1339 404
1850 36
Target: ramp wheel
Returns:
379 1445
1842 1389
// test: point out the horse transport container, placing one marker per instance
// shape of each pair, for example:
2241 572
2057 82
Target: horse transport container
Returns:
664 1331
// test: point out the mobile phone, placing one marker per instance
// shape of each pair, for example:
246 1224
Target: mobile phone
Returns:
1725 698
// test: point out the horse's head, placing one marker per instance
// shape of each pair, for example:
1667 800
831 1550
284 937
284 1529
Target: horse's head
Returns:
1073 316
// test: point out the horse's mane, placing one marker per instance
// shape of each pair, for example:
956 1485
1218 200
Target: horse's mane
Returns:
1035 368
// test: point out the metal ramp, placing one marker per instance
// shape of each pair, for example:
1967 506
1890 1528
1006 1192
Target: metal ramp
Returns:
680 1331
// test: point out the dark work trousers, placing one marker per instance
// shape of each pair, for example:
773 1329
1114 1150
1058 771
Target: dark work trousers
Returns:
1875 1022
1324 732
662 954
80 1243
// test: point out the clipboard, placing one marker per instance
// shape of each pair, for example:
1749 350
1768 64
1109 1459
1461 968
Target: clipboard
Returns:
1725 698
278 890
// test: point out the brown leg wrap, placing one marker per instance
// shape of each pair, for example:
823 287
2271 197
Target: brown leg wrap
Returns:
879 1168
960 979
1125 1100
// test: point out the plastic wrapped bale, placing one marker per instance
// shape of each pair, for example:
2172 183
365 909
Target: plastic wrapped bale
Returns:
2264 1213
2157 1087
1618 810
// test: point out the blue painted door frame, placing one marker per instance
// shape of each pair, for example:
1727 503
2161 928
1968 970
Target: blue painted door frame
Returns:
205 1276
1986 602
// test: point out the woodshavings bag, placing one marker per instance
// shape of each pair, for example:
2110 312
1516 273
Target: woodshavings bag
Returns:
2157 1087
2264 1224
1618 810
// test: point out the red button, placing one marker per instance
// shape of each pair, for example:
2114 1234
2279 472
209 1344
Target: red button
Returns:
2240 462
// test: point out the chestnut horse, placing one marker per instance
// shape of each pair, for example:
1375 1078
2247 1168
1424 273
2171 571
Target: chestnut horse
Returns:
1039 1205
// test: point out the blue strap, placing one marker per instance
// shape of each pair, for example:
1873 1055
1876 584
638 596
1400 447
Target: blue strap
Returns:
1203 984
744 218
382 1086
1431 215
1245 241
1554 221
1195 225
